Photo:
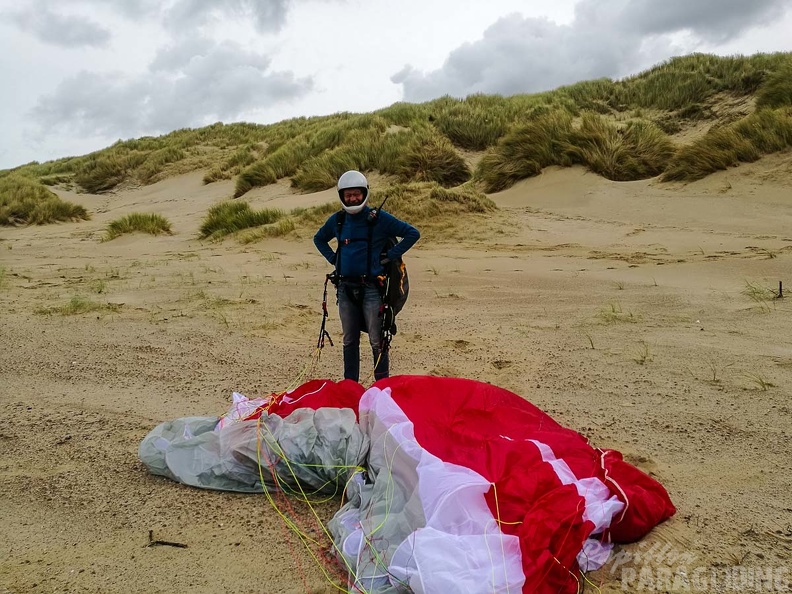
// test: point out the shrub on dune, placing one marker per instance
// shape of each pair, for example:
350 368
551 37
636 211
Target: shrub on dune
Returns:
404 114
322 172
777 89
156 162
24 201
473 124
100 174
433 160
282 162
764 132
525 151
257 175
229 217
139 222
637 151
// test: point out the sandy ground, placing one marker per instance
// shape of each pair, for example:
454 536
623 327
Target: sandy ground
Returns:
623 310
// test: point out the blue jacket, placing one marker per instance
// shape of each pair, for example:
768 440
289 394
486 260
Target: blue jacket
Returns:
354 241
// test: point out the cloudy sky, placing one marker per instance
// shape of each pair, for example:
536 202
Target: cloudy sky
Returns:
77 75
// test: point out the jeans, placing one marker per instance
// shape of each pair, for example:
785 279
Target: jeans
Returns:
359 310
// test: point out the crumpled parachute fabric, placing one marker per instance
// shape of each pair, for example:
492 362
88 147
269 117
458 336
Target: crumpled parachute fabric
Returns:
452 485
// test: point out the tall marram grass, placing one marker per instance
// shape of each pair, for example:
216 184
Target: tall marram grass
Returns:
428 141
525 151
153 224
24 201
766 131
472 125
638 150
229 217
777 89
433 159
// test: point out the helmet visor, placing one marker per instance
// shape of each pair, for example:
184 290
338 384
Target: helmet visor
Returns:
353 196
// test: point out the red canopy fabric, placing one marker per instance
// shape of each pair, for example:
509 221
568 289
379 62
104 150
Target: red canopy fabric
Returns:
498 434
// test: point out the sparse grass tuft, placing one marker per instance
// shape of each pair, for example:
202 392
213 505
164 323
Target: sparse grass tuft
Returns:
79 305
715 366
760 381
24 201
614 313
643 353
139 222
760 295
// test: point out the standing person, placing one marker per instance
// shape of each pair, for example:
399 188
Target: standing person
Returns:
362 233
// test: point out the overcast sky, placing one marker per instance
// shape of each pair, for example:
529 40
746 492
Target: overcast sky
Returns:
77 75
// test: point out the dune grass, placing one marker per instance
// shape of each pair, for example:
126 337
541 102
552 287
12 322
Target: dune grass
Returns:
764 132
638 150
427 205
139 222
519 134
25 201
79 305
230 217
525 151
777 90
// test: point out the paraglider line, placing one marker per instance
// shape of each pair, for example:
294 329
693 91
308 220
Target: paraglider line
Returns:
615 484
304 538
498 523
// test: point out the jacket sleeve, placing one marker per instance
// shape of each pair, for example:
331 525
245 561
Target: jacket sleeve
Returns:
322 239
397 228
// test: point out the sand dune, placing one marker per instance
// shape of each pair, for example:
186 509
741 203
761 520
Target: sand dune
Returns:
632 312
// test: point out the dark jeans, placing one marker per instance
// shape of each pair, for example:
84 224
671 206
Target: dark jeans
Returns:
359 310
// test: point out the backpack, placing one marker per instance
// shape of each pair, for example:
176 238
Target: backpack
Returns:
394 284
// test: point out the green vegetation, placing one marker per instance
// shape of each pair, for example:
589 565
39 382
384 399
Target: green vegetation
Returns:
425 204
766 131
777 90
25 201
153 224
636 151
616 128
231 216
79 305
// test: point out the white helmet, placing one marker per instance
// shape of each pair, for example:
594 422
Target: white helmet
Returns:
353 179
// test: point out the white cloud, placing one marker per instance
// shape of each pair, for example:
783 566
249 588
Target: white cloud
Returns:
715 20
267 15
606 39
59 29
192 84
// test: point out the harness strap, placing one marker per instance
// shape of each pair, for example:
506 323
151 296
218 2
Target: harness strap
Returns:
323 333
